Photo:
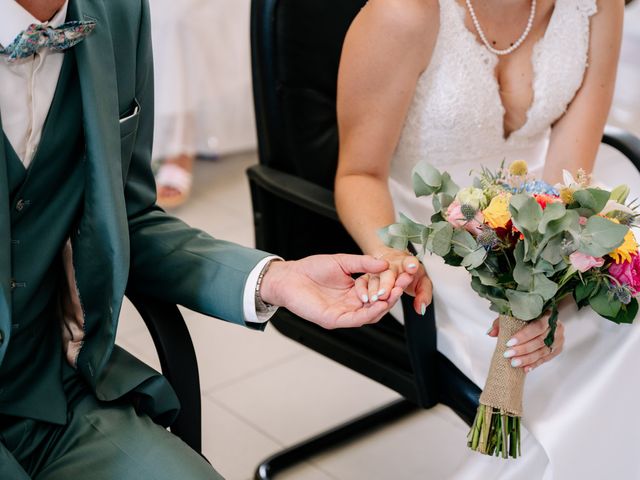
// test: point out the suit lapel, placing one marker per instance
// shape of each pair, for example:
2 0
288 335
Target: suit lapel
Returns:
101 252
5 251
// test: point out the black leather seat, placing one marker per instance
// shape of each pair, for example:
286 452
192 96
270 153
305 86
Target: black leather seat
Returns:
296 47
178 363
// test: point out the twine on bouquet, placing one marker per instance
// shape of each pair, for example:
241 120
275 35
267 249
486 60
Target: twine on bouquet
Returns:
496 428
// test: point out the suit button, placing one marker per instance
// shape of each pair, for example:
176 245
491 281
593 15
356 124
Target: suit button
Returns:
13 284
20 204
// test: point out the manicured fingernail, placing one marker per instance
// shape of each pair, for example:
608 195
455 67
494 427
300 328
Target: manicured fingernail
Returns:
512 342
381 292
364 298
509 353
516 362
423 309
374 298
412 265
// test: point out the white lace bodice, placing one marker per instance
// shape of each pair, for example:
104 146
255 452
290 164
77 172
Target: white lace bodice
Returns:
456 118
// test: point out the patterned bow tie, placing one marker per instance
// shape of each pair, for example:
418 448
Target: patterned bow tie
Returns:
38 36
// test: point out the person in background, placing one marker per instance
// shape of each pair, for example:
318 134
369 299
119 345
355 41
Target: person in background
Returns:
203 94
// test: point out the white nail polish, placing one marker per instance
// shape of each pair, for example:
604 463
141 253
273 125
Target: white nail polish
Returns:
509 354
381 292
423 309
516 362
374 298
365 298
412 265
512 342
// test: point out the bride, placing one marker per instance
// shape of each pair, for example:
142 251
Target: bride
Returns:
470 83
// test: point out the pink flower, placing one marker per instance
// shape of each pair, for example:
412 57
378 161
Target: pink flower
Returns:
456 218
582 220
628 273
583 262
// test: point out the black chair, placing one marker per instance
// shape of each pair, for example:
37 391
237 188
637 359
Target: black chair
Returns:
178 363
296 48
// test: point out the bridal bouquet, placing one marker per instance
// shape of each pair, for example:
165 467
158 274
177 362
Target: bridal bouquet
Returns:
527 245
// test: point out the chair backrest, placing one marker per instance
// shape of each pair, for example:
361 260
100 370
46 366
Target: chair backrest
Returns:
295 66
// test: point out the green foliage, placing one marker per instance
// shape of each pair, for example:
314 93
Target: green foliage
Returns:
593 199
524 305
439 241
526 213
601 236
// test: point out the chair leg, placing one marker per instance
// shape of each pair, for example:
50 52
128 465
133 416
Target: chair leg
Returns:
350 430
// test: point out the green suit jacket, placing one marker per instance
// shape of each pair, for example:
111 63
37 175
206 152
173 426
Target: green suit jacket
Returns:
123 239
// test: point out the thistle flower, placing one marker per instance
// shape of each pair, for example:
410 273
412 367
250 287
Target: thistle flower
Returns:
468 211
487 239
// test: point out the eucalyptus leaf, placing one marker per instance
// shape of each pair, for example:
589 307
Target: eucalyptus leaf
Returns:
474 259
543 266
427 180
553 252
523 275
525 306
485 277
463 242
601 236
448 187
526 213
592 198
394 236
439 241
553 212
544 287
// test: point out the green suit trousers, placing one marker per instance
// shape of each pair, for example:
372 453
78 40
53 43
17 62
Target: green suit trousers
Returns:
101 441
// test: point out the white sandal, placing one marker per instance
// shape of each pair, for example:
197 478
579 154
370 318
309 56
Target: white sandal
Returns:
177 178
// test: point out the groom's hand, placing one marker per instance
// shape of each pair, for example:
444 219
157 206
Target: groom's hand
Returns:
321 289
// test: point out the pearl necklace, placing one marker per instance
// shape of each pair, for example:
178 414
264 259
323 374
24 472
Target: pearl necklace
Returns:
518 42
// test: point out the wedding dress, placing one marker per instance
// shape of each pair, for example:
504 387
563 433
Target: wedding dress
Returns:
581 417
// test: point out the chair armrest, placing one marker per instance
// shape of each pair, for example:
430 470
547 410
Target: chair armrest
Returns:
625 142
178 362
294 189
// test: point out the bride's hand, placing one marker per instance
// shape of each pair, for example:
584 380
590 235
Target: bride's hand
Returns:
405 271
527 349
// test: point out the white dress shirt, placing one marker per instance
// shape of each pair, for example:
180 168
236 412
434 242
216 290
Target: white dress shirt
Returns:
27 87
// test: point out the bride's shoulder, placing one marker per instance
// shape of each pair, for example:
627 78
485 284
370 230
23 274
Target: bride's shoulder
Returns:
415 21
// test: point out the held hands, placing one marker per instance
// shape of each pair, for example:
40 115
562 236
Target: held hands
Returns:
527 349
372 288
320 289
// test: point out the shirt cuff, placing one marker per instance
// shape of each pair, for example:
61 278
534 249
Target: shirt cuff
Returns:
251 313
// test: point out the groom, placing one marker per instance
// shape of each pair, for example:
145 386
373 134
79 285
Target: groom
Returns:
79 224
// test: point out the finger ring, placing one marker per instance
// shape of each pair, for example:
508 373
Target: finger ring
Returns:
550 349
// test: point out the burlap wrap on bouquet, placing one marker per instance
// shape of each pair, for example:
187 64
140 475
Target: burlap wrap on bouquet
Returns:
505 384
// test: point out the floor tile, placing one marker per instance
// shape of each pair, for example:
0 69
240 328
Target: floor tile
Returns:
225 352
232 446
302 396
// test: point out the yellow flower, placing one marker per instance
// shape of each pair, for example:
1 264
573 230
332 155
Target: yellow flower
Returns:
629 247
497 214
566 194
519 168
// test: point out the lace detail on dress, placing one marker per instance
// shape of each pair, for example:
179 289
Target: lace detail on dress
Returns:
456 117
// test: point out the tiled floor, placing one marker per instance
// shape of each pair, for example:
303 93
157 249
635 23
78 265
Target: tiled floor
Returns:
262 392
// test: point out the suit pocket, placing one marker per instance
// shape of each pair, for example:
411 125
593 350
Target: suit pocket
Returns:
128 133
